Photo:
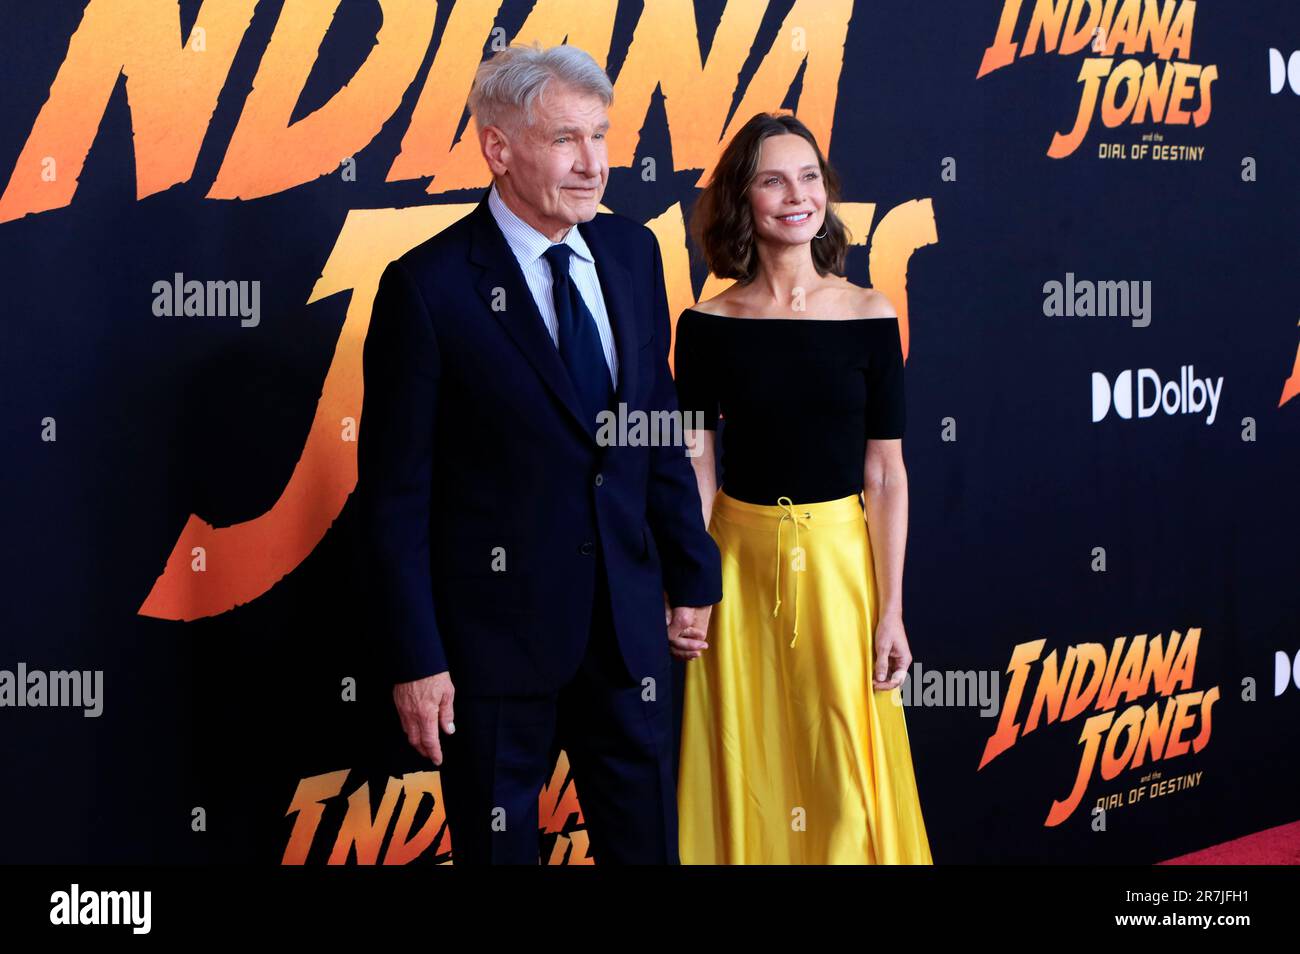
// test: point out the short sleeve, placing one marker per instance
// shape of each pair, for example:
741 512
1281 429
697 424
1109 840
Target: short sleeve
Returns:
695 374
886 412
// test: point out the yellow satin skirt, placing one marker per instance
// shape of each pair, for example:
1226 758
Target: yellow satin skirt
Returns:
788 754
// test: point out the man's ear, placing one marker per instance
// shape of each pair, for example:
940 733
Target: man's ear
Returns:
496 149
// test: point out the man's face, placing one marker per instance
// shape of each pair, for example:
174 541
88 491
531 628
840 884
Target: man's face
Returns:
555 170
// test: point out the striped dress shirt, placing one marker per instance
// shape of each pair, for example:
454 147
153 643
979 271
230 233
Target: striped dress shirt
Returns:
528 244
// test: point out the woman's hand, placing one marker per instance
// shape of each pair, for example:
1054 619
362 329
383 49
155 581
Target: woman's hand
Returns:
688 630
893 655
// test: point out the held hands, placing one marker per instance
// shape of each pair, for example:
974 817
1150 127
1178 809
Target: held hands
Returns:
688 629
424 706
893 655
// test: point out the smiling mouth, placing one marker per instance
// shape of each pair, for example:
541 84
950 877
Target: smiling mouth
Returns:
795 218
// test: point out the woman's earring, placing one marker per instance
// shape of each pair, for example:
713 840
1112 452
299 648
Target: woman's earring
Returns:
822 234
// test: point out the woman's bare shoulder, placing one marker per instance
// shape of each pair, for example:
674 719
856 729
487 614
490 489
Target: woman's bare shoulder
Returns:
870 303
719 304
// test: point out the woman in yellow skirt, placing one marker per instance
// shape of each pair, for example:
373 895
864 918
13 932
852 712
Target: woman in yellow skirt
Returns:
794 744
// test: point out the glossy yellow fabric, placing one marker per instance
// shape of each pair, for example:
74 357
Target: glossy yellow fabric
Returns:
789 756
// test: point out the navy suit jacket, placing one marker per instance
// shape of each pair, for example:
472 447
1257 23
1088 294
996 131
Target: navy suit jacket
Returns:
484 499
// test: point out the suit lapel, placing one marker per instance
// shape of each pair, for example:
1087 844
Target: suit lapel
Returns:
499 270
616 285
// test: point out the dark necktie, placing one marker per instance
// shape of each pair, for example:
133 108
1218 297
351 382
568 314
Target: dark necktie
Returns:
579 339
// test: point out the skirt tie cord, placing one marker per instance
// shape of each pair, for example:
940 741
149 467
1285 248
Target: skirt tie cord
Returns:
787 505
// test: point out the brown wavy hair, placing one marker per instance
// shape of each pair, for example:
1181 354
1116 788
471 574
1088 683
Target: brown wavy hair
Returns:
722 223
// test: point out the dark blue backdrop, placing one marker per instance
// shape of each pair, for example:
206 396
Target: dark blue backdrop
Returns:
230 712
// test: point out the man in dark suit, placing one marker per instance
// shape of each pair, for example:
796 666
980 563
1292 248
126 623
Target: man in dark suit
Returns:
522 565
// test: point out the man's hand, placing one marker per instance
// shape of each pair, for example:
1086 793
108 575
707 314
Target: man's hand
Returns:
893 655
424 706
688 628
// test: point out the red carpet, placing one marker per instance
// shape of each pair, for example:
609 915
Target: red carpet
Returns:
1275 846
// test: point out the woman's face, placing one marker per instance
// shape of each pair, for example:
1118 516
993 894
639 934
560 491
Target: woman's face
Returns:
787 195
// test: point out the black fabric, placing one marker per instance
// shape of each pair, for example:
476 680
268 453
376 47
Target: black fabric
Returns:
799 397
617 732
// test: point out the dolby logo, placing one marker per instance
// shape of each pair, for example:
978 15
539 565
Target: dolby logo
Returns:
1186 395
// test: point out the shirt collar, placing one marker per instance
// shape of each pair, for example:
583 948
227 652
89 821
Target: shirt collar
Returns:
526 242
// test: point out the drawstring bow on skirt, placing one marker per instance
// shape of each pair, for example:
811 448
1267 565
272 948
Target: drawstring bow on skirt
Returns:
787 505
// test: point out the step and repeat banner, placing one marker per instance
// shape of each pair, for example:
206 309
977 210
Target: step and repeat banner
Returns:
1085 212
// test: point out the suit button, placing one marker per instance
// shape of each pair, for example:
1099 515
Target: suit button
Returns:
600 479
587 549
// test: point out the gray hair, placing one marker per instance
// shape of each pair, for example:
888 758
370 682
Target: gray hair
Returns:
507 86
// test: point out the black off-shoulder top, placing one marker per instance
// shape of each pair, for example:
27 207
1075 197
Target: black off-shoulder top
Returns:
799 397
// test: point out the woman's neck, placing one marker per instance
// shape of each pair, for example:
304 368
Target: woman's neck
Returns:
783 271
